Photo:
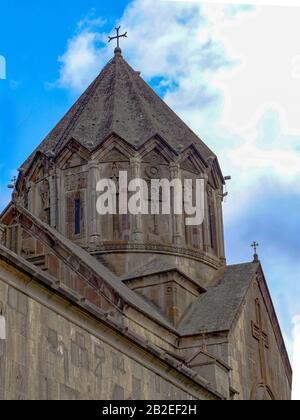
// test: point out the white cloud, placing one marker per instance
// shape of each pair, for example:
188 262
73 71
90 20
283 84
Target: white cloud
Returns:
224 72
168 39
80 61
84 56
229 75
293 3
232 73
262 79
296 364
265 77
266 149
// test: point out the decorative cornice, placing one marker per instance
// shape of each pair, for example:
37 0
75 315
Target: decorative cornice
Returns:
118 247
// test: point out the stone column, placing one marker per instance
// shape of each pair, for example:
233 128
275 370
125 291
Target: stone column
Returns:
220 226
30 187
206 233
94 227
203 177
61 203
53 199
177 219
137 228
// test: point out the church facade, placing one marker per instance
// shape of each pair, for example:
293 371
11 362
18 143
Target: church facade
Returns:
128 306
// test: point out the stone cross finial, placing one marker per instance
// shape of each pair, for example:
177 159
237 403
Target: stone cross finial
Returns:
117 37
12 183
255 245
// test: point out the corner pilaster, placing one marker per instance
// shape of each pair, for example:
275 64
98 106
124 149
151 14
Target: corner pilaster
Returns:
177 219
137 230
93 226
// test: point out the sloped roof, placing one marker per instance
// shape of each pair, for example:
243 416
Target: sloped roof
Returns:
120 102
110 278
216 309
155 266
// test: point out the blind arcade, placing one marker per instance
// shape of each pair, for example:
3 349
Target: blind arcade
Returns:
161 196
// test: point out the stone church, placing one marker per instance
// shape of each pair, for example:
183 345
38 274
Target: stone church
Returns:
121 307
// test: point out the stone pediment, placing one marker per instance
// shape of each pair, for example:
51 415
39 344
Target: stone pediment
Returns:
38 169
189 166
155 158
191 160
73 161
114 155
72 155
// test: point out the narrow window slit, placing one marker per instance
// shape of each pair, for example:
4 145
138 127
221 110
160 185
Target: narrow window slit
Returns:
77 216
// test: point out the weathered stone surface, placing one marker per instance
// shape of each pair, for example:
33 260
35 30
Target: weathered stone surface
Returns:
259 372
50 357
122 306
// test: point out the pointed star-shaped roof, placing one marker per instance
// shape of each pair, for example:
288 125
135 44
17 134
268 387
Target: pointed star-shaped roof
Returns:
120 102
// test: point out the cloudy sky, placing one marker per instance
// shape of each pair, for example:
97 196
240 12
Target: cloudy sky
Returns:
232 72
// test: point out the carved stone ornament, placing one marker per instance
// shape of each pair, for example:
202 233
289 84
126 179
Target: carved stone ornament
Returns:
152 172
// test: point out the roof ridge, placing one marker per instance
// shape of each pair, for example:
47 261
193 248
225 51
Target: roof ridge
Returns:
171 112
82 102
242 264
70 124
131 72
113 96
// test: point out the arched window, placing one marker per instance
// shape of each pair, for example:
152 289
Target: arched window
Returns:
77 216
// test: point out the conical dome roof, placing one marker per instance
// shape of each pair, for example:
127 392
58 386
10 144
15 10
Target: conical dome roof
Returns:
120 102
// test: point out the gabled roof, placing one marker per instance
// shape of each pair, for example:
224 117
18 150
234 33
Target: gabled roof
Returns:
216 309
120 102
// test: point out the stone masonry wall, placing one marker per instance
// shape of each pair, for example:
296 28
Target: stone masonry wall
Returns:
56 354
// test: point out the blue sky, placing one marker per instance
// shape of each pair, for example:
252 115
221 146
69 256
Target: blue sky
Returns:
32 36
231 72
